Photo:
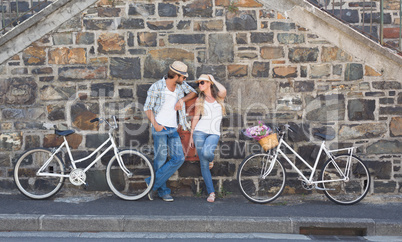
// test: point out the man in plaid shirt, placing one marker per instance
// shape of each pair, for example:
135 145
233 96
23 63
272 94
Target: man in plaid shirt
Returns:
165 98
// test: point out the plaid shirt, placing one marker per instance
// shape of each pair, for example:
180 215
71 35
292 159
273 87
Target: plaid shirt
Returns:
156 99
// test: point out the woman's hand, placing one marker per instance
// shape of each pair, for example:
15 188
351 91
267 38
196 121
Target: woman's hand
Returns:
159 127
191 140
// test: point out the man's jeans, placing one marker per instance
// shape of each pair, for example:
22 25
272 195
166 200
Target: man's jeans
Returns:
166 141
206 145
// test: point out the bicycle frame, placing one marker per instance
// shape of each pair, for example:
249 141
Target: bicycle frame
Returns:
310 181
73 162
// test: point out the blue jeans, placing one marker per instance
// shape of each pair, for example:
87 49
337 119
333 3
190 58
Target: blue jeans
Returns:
166 141
206 145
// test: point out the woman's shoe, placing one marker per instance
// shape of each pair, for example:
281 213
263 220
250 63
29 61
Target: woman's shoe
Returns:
211 197
211 164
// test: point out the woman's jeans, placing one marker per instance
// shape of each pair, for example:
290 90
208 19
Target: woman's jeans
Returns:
206 145
166 141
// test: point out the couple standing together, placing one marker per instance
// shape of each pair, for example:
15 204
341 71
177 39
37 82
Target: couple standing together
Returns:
166 98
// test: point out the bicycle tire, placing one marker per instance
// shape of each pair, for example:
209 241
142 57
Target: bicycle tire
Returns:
251 183
346 192
135 187
31 185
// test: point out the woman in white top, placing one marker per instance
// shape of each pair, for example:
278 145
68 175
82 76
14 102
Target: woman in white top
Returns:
205 127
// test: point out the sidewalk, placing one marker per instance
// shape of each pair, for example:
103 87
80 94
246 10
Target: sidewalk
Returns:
107 213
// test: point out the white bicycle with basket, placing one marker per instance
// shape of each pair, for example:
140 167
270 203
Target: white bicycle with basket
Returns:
344 178
39 173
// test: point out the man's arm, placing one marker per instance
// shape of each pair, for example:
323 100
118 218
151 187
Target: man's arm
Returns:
151 117
191 93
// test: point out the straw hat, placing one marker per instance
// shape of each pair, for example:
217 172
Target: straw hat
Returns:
179 68
205 77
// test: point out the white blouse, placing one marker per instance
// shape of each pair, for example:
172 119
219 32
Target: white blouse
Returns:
210 121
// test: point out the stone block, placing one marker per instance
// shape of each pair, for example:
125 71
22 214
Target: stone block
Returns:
55 112
44 70
62 39
102 89
303 55
361 109
221 48
320 71
19 71
218 71
211 25
147 39
187 38
18 91
160 25
330 54
190 169
125 68
232 120
379 170
395 127
63 56
95 140
184 24
272 52
167 10
384 186
289 103
353 72
78 223
229 187
111 43
304 86
126 93
385 147
31 141
337 70
241 38
286 38
34 55
53 140
10 141
12 113
325 108
82 114
223 168
141 9
232 150
237 70
241 20
99 24
362 131
259 38
85 38
50 92
108 12
198 8
283 26
136 135
19 222
375 17
260 69
383 85
79 73
131 23
284 72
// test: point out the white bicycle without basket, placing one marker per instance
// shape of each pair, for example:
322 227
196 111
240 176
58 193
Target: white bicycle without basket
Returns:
39 173
344 178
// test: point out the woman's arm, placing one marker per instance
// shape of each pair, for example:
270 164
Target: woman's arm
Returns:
221 88
194 122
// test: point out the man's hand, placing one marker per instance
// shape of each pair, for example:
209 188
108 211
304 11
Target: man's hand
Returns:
159 127
179 105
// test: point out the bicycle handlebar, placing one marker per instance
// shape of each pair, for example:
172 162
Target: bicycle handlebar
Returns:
100 120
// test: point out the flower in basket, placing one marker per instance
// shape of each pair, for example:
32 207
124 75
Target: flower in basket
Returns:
258 132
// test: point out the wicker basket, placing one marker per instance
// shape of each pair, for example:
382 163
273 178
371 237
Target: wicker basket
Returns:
269 142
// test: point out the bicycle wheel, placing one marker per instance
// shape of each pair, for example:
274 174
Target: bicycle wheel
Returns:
130 187
31 185
350 191
251 182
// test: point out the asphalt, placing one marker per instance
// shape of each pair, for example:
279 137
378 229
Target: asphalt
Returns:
95 212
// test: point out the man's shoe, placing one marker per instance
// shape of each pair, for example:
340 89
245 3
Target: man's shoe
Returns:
167 198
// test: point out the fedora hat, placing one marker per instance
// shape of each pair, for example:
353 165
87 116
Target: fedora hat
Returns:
179 68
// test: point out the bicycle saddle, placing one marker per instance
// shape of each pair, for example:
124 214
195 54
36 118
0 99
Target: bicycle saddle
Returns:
64 132
325 136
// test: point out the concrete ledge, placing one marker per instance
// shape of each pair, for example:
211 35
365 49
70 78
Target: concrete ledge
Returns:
191 224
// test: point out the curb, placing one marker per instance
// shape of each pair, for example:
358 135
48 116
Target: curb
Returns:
187 224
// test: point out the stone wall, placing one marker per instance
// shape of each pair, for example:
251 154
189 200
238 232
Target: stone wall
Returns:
101 63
